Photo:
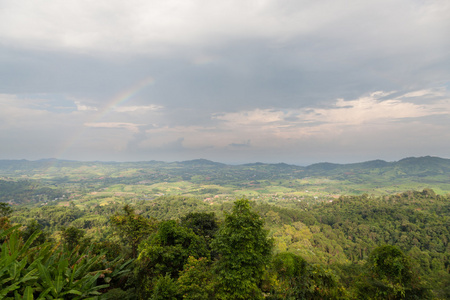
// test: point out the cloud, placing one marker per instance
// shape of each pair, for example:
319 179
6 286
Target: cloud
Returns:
370 110
240 145
23 113
426 93
128 126
287 75
254 117
158 26
136 108
82 107
368 124
342 118
367 109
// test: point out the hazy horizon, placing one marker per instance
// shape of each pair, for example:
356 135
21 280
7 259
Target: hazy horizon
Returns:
298 82
223 162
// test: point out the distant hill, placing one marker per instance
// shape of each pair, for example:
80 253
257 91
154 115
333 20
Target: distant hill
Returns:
414 165
34 181
201 162
410 165
423 169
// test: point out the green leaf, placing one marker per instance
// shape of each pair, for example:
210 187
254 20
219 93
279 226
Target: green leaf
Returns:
26 246
44 294
6 290
4 233
74 292
28 294
46 279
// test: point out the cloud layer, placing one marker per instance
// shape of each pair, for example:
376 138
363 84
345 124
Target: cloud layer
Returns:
294 81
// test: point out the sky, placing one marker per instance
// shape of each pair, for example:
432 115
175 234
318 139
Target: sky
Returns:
294 81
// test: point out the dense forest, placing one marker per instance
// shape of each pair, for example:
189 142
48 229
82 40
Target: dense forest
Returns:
204 230
355 247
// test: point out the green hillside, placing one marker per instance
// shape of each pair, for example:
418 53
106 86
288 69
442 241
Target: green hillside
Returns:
154 230
206 179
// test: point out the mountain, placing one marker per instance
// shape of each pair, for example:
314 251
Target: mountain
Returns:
201 162
411 167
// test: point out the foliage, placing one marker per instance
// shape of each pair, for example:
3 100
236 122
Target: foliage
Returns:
72 237
297 279
132 227
166 252
203 224
244 251
166 288
196 281
334 236
32 227
389 276
118 294
26 191
45 272
5 210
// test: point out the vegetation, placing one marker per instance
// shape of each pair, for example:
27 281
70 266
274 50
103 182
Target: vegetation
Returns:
125 240
244 251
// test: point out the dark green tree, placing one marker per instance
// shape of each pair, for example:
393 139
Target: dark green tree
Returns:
166 252
196 281
72 237
297 279
32 227
204 224
244 251
132 227
5 210
389 276
166 288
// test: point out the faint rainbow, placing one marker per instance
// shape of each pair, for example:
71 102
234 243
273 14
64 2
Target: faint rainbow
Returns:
123 97
116 101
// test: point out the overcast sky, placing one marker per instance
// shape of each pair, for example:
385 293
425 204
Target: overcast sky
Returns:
295 81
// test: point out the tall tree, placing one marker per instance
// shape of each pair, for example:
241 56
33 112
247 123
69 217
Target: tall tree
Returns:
204 224
297 279
133 227
389 276
244 251
166 252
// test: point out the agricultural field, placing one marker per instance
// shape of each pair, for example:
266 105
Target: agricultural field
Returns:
49 182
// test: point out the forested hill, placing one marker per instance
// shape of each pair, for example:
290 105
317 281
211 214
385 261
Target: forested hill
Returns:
209 179
411 166
355 247
407 167
146 230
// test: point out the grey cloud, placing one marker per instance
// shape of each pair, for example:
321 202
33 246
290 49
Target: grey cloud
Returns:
291 57
239 145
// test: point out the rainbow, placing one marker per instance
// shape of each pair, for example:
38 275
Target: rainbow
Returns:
123 97
116 101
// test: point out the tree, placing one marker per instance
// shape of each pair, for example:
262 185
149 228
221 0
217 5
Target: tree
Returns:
196 281
204 224
133 227
166 288
166 252
389 276
72 237
297 279
31 228
5 210
244 251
